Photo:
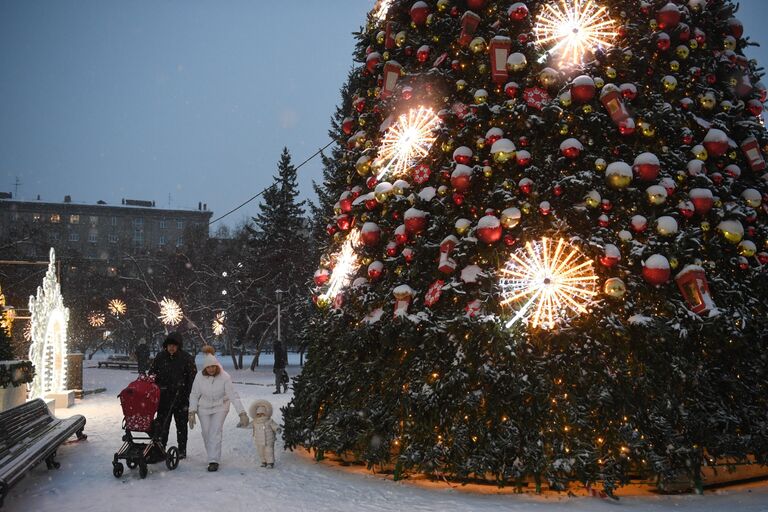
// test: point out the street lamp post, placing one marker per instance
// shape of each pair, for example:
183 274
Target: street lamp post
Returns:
279 297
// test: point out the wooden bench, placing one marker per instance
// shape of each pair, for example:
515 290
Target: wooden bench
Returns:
30 434
121 365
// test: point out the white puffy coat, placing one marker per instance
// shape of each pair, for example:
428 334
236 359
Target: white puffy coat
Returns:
264 427
213 394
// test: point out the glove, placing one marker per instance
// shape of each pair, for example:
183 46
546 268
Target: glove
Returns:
191 420
243 420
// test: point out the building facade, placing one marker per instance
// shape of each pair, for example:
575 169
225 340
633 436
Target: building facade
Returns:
96 231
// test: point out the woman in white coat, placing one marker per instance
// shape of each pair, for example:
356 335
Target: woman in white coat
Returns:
212 393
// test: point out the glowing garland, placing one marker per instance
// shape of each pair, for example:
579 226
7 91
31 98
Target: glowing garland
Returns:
573 28
407 141
547 285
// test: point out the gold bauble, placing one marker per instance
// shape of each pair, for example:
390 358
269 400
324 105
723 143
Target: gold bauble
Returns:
366 260
526 208
610 72
481 96
510 218
705 226
462 226
400 38
548 77
647 129
682 52
323 301
587 109
507 185
477 45
653 24
674 262
747 248
380 37
707 101
729 43
693 44
618 181
726 105
381 197
461 85
600 165
442 5
733 155
399 270
669 82
364 217
615 288
564 129
363 165
593 199
599 82
656 195
674 66
447 146
700 153
442 191
338 237
502 157
482 68
488 171
731 230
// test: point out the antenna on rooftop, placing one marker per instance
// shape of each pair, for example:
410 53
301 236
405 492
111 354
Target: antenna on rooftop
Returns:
17 184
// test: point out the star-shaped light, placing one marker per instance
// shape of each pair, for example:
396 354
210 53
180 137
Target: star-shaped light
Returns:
407 141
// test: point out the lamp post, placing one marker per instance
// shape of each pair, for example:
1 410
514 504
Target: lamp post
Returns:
279 297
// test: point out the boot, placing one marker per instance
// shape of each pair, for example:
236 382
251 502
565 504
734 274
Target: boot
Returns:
271 465
213 466
263 464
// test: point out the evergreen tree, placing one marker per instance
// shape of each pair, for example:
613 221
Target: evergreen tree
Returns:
450 342
279 243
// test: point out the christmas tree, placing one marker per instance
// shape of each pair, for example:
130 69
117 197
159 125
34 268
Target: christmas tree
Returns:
546 261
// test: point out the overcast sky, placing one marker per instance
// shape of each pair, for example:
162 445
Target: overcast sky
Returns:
177 101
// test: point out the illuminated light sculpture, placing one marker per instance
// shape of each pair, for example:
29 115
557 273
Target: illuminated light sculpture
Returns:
49 320
117 307
547 283
96 319
573 28
218 323
7 316
382 9
407 141
27 331
170 312
345 267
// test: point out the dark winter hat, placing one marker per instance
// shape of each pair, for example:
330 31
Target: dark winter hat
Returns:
173 338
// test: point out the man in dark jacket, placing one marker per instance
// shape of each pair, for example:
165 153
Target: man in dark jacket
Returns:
281 361
142 356
174 372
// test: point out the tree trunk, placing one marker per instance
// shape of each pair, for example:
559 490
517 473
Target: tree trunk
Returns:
255 361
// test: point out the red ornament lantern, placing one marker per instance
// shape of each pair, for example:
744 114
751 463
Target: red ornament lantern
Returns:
612 100
499 52
692 282
656 270
447 265
391 74
476 5
489 229
754 155
469 24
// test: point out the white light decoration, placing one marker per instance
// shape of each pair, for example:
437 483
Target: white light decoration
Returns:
49 320
27 331
117 307
547 283
217 326
96 319
381 10
407 141
573 29
170 312
346 265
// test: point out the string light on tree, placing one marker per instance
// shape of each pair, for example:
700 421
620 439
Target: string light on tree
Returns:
407 141
218 323
96 319
573 29
346 265
117 307
547 283
170 312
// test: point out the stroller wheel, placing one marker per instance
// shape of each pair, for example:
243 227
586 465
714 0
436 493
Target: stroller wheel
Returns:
131 464
117 469
172 458
143 469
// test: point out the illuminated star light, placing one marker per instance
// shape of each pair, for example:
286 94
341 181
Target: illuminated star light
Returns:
382 9
407 141
117 307
170 312
346 265
573 29
547 284
96 319
218 323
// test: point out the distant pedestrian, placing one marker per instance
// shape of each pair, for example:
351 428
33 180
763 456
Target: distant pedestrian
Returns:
278 368
174 372
210 398
264 431
142 356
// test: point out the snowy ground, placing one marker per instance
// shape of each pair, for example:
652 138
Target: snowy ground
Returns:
85 482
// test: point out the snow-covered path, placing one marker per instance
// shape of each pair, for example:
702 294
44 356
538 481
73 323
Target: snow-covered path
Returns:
85 482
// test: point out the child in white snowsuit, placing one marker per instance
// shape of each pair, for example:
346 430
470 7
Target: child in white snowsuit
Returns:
264 430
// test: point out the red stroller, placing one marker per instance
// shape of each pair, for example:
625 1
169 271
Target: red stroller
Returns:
140 402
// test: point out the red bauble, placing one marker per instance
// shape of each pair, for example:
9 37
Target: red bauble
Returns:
391 249
347 125
371 204
526 186
408 254
375 270
345 202
321 276
702 200
371 182
330 229
415 221
668 16
422 54
458 198
476 5
663 42
647 166
736 28
511 90
419 13
462 155
583 89
518 11
401 236
344 222
716 142
372 61
656 270
489 229
461 178
370 234
571 148
603 221
611 256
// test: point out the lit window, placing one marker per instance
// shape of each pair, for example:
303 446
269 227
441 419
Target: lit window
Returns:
74 237
74 219
55 218
35 217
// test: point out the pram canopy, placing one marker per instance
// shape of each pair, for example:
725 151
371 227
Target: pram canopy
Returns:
140 401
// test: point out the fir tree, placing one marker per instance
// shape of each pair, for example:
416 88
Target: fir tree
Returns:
644 153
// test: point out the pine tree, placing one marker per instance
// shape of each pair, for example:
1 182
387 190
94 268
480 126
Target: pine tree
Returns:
279 243
451 343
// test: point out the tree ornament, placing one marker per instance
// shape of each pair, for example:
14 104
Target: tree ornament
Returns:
702 200
638 224
370 234
461 178
611 256
523 158
692 282
593 199
647 166
747 248
473 308
516 62
752 198
462 226
415 221
618 175
511 89
469 23
322 275
403 296
754 154
571 148
716 142
656 270
548 78
583 89
615 288
375 270
731 230
536 97
517 12
488 229
499 53
434 292
666 226
510 217
503 150
656 194
419 12
613 102
669 82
